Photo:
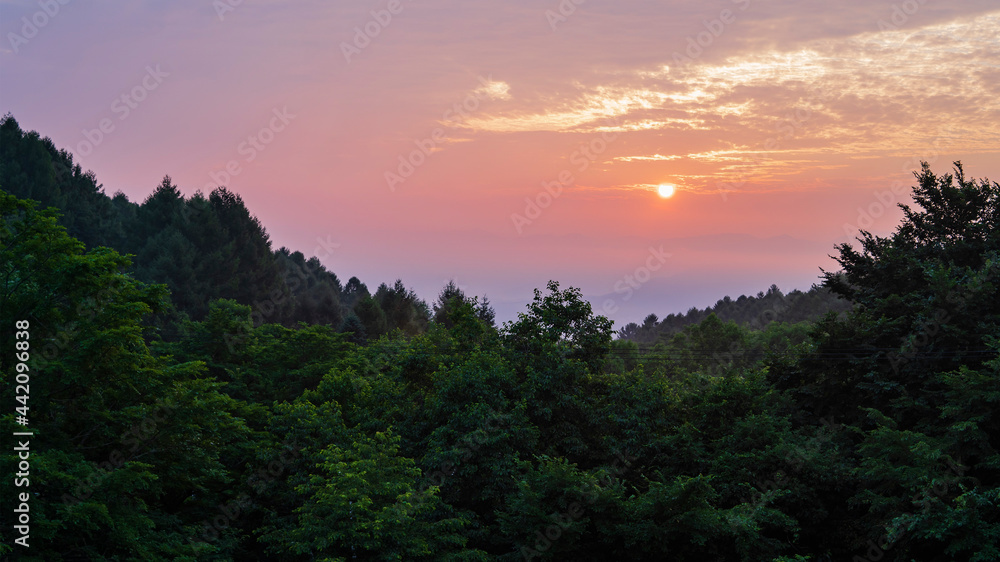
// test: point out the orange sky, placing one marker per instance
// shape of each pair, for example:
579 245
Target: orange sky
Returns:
781 123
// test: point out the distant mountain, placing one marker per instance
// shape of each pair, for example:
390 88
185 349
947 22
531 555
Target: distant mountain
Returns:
754 312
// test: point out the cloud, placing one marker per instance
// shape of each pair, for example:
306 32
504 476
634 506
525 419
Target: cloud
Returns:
494 90
779 111
653 157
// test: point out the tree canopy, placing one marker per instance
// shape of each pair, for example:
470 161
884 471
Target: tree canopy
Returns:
198 396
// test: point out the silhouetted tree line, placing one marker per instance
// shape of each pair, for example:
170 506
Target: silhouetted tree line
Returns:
203 248
754 312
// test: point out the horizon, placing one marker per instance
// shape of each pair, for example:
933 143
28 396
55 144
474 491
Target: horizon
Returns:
504 146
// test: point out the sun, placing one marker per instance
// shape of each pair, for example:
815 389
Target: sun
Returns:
665 190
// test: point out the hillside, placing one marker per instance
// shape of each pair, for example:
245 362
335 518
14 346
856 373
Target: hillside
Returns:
754 312
178 419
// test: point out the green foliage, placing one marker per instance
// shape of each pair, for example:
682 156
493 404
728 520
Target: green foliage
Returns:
452 298
754 312
403 309
561 322
216 426
314 293
32 167
130 450
371 318
362 502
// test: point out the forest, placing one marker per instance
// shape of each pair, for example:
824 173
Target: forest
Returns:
198 395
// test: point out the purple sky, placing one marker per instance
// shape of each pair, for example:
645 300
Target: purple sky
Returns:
781 124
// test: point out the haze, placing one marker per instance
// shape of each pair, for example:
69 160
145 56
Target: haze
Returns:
505 144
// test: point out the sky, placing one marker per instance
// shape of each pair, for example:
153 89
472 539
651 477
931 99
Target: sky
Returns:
504 144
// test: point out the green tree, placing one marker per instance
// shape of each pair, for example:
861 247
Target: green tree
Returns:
136 448
911 372
361 502
403 309
31 167
561 320
371 316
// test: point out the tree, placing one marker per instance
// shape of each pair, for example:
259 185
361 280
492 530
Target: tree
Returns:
911 370
449 297
485 312
256 268
403 309
371 316
136 447
956 227
452 297
354 328
926 298
32 167
563 320
310 293
361 502
354 291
